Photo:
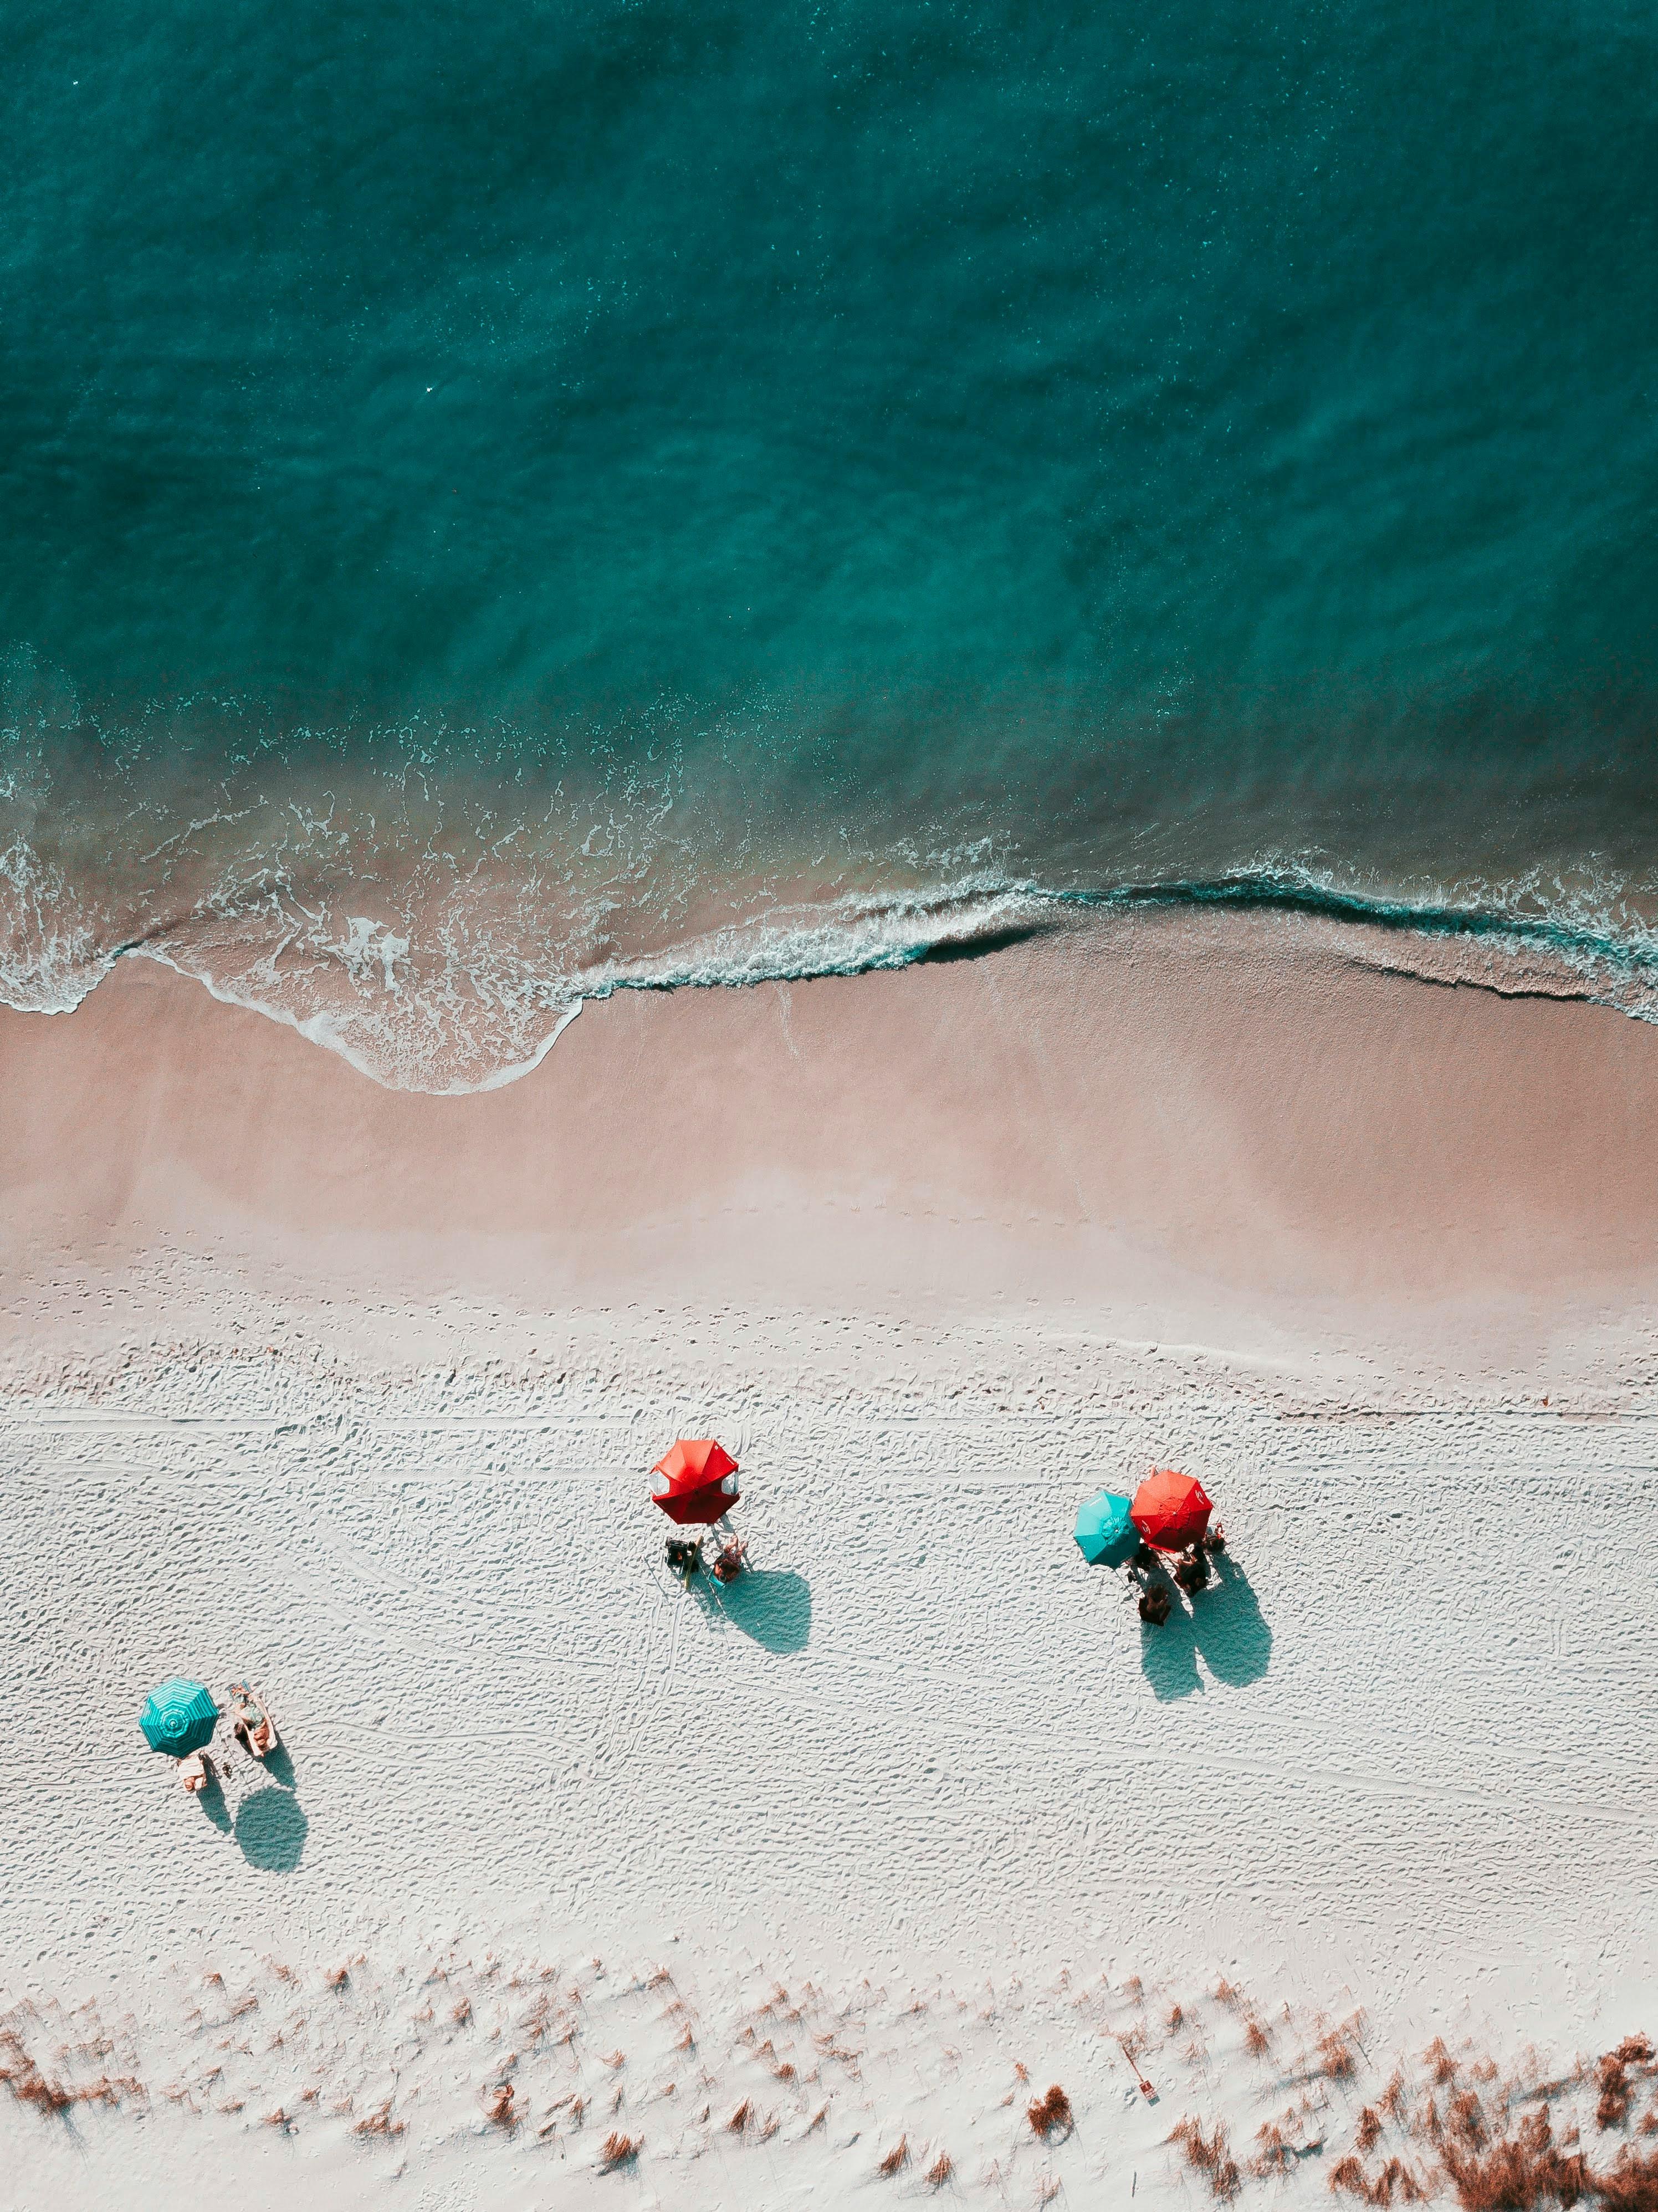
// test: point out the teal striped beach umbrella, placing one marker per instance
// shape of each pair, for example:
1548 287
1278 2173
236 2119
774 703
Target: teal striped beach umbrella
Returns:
179 1718
1104 1530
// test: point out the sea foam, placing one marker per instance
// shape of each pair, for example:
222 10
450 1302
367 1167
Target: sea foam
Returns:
455 994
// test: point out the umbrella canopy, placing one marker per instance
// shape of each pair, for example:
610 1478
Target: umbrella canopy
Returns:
1171 1510
1105 1530
696 1480
179 1718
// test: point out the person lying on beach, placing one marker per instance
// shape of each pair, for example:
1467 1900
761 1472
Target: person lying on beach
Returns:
728 1561
255 1731
196 1771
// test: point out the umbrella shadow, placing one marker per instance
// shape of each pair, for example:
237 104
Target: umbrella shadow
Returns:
271 1830
773 1605
1231 1630
211 1799
279 1766
1224 1626
1168 1655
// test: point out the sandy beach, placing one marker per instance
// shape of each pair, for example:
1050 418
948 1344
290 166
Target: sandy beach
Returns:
811 1886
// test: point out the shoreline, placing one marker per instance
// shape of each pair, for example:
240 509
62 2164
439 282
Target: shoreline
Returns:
1218 1129
451 1017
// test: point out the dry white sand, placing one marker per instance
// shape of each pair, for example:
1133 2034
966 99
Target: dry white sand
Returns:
355 1394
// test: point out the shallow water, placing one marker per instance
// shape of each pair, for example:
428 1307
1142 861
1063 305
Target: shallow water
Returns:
511 503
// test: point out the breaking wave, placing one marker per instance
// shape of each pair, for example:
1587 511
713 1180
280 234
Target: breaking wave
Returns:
470 989
436 914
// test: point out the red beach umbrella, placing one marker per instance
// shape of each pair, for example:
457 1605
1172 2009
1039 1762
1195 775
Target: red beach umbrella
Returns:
1171 1511
695 1479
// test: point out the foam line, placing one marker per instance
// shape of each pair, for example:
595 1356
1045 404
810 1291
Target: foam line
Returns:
385 1029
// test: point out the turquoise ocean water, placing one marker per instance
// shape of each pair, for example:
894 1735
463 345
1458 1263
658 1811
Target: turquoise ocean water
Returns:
497 504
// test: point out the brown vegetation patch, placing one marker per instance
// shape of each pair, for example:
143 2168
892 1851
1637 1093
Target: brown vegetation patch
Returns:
616 2150
1516 2172
1611 2073
1493 2168
1211 2155
1395 2179
1051 2115
1276 2155
30 2084
1630 2185
940 2170
1336 2047
895 2159
379 2122
26 2081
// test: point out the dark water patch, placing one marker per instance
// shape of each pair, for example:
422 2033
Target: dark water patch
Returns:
488 502
976 948
1266 891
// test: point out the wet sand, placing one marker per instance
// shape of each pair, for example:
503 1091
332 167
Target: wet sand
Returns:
1220 1128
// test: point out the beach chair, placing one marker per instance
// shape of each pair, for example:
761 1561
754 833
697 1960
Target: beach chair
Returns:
252 1723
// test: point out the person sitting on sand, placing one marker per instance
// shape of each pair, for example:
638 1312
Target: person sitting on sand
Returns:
1154 1606
728 1561
1192 1572
196 1771
684 1557
255 1731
